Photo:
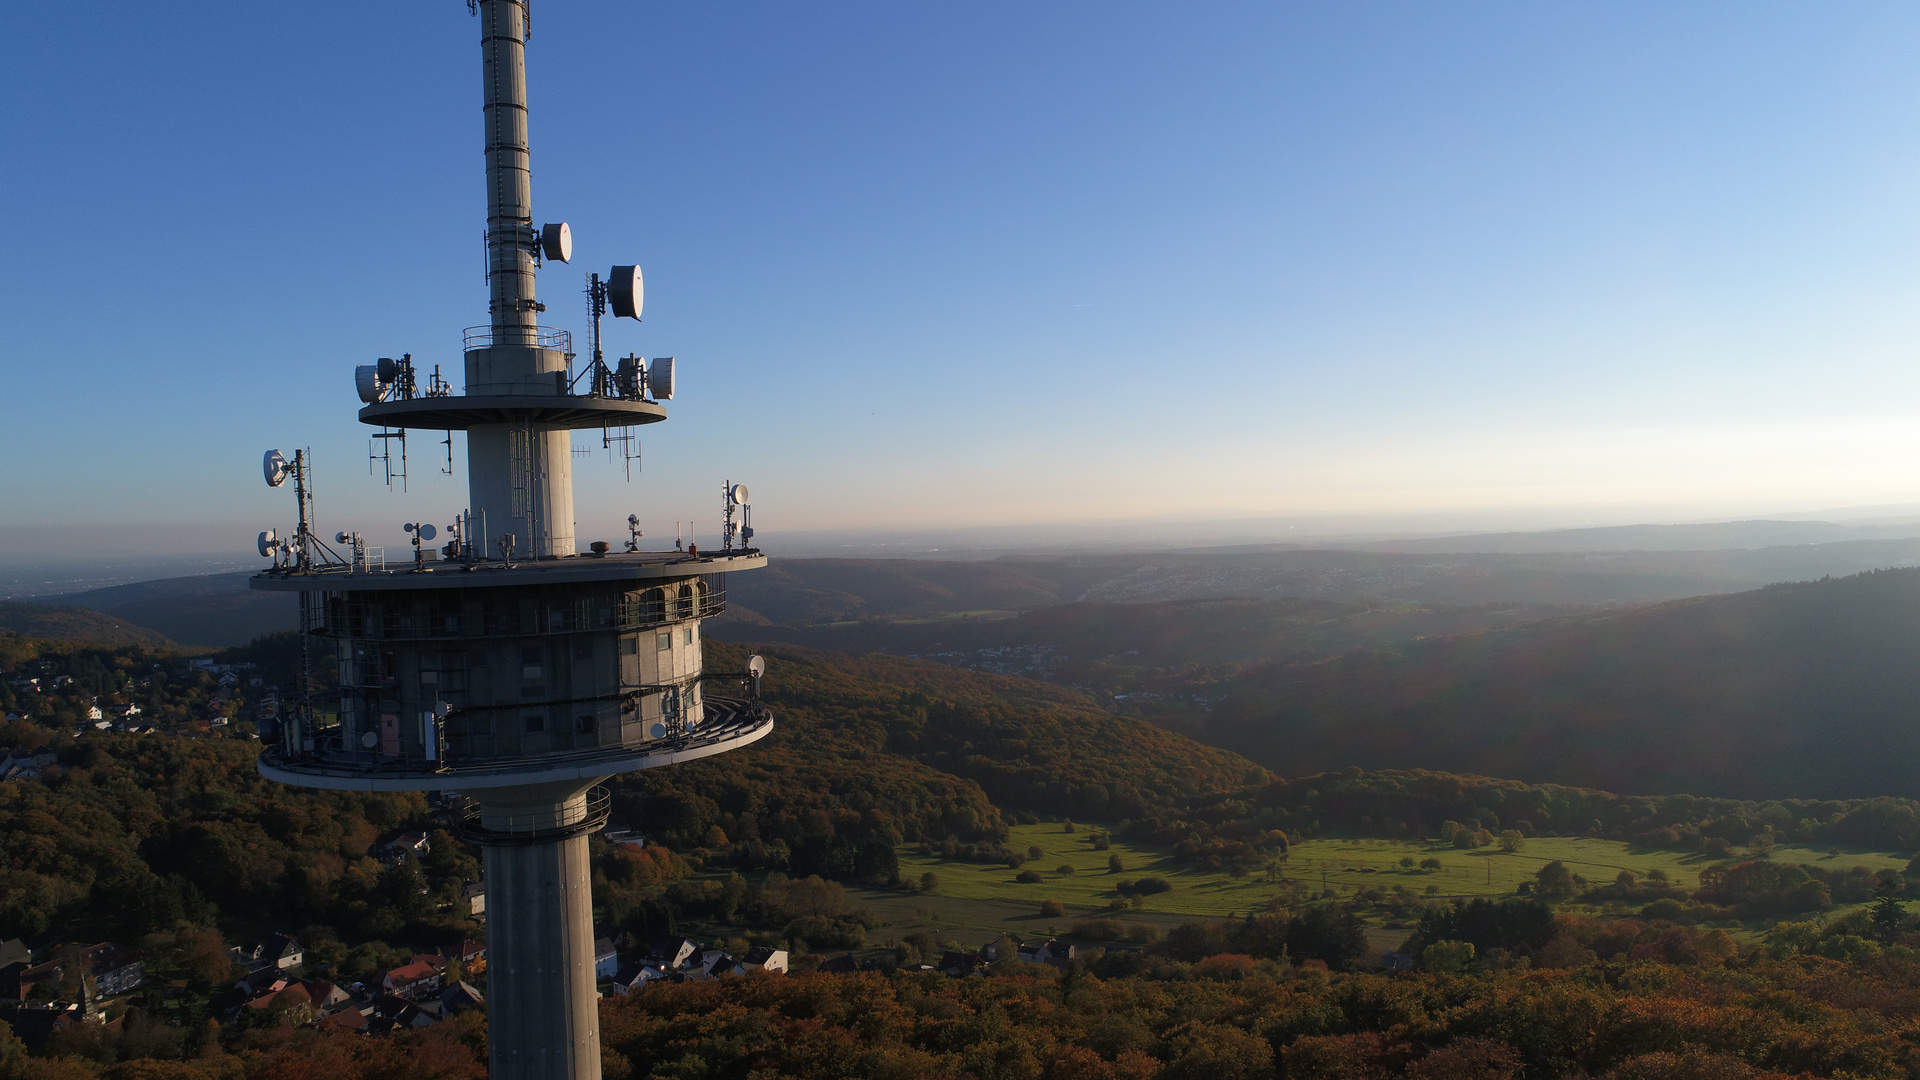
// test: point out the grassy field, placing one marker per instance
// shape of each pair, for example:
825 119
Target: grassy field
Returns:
975 898
973 902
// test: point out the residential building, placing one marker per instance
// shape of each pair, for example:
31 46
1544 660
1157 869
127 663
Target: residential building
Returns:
411 981
283 952
765 958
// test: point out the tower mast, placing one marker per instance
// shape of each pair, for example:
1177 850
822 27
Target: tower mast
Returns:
520 682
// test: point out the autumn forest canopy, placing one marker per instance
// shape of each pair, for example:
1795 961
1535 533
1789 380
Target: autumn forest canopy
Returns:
1735 906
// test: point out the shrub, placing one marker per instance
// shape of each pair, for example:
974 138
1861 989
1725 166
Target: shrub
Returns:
928 882
1035 851
1100 929
1027 877
827 933
1146 886
1225 967
1116 865
1554 880
1052 909
1447 956
1064 869
1431 863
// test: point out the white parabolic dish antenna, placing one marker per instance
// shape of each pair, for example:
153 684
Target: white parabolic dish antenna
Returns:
274 465
556 242
738 493
368 383
756 666
626 291
268 541
660 378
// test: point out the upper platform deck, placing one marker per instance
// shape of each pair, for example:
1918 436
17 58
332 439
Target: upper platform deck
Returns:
638 567
463 411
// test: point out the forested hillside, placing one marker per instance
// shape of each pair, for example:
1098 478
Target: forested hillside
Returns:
873 750
1801 690
61 623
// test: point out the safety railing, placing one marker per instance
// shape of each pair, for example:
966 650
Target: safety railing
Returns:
534 827
537 337
370 617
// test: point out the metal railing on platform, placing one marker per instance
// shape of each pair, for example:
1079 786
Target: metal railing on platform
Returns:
589 816
537 337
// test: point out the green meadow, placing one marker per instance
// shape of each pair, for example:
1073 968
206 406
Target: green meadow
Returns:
977 898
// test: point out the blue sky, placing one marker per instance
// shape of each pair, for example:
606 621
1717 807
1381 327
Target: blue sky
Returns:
987 264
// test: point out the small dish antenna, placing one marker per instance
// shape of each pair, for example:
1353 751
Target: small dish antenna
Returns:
660 377
556 242
269 543
370 740
738 494
367 383
426 531
756 666
274 465
626 292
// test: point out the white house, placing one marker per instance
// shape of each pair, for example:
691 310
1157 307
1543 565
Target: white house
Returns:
765 958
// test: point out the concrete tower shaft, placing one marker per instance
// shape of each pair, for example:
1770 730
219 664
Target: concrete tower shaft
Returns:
519 476
510 236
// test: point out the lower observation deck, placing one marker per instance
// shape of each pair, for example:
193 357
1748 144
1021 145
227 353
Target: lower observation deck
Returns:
643 566
729 725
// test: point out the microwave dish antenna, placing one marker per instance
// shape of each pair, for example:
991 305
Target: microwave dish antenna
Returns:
660 378
556 242
368 384
274 466
269 543
738 494
626 292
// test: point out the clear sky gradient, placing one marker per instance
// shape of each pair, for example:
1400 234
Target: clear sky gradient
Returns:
984 264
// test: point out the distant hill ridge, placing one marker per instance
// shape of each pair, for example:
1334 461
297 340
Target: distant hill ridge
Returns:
1807 690
64 623
1713 536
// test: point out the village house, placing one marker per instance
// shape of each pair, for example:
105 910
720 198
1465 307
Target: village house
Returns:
1051 951
415 980
282 952
472 956
765 958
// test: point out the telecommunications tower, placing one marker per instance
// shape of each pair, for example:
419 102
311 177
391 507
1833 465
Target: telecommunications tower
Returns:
507 665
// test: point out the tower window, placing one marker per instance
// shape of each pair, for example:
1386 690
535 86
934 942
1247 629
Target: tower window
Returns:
583 723
535 723
664 641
